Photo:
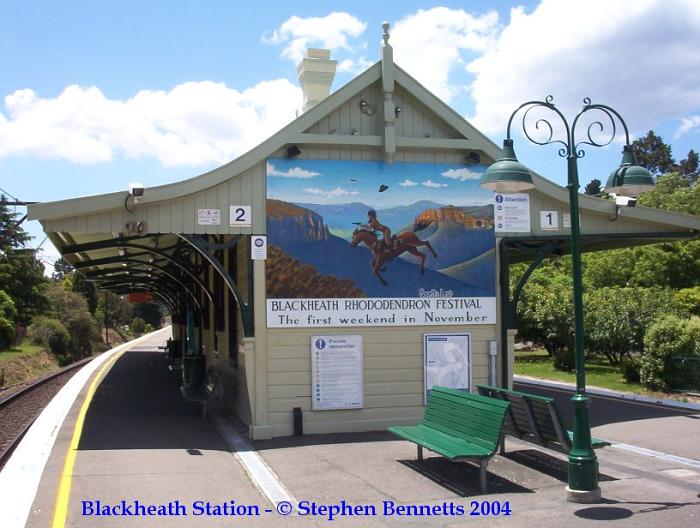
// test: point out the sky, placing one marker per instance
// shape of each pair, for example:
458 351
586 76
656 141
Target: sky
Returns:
96 95
325 182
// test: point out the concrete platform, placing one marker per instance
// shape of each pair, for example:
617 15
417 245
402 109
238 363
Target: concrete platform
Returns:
141 442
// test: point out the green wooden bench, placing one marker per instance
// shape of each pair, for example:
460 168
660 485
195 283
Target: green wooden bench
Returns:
460 426
206 393
534 419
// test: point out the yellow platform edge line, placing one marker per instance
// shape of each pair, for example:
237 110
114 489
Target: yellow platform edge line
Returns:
60 512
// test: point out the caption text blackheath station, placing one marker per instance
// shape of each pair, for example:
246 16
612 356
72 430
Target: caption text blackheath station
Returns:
329 512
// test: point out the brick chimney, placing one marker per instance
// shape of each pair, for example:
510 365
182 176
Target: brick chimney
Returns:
316 71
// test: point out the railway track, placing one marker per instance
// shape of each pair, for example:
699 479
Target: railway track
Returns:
19 410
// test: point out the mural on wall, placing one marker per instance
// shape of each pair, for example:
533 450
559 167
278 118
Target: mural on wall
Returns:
364 243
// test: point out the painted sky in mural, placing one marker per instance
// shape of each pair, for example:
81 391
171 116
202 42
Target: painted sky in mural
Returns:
328 223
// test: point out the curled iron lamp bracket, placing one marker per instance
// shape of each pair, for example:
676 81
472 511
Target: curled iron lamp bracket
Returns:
569 146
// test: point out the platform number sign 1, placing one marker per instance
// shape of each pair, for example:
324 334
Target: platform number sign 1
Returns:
549 220
239 216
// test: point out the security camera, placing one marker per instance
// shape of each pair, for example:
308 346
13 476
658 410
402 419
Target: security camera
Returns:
136 190
625 201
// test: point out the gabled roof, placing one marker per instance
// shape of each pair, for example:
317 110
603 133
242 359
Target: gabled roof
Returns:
294 133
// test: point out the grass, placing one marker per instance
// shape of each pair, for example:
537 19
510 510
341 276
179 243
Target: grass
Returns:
599 371
22 350
24 363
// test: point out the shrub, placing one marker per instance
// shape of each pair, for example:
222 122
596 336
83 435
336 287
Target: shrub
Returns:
8 313
545 314
53 334
630 370
616 318
565 360
689 299
672 353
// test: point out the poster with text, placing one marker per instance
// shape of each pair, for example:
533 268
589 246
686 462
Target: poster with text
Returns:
361 243
447 361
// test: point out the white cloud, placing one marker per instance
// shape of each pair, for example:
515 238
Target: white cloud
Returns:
429 44
354 66
432 184
335 193
331 31
638 57
408 183
193 124
688 124
462 174
294 172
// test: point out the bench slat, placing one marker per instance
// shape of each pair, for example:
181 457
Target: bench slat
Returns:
548 427
464 427
439 442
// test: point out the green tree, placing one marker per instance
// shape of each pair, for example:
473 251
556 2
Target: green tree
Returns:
593 187
8 314
152 313
87 289
653 154
12 236
61 269
690 166
71 309
21 272
673 193
120 312
616 318
672 358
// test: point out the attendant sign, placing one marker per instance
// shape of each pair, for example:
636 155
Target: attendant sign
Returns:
511 213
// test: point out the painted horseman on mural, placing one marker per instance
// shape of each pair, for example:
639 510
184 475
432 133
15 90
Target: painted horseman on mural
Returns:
385 247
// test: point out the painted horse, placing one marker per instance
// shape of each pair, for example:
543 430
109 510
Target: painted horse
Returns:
406 241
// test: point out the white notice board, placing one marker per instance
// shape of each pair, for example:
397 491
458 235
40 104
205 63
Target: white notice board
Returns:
511 212
336 372
208 216
447 361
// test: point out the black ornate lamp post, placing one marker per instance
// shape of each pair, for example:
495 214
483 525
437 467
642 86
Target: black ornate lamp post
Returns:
508 175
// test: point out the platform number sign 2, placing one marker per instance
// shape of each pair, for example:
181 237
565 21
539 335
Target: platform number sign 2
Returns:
239 216
549 220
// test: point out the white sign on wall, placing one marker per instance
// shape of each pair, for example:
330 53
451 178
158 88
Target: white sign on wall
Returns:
336 372
258 247
239 216
549 220
423 311
447 361
208 216
566 220
511 212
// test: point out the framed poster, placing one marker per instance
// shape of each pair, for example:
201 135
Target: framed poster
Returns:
447 361
369 243
337 380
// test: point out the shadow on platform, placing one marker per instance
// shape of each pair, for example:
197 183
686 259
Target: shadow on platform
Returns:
547 464
461 478
139 406
605 410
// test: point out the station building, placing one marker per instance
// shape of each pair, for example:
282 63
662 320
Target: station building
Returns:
280 268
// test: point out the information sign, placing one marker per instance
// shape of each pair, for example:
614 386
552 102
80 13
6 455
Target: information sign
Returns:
336 372
511 212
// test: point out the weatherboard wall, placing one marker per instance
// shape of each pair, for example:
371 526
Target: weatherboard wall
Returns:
179 215
415 120
393 355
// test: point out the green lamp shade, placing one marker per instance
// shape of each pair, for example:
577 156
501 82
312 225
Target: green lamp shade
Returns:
507 174
629 179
